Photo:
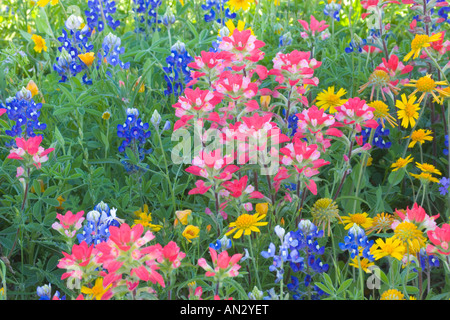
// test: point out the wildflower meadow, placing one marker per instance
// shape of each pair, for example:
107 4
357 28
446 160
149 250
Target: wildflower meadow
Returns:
224 150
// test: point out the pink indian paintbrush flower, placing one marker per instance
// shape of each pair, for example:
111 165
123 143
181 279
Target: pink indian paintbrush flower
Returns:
69 223
30 150
313 28
223 267
418 216
239 187
440 239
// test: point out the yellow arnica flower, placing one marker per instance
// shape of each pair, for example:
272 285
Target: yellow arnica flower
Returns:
401 163
87 58
43 3
426 85
39 43
329 100
426 167
419 42
245 224
381 112
381 222
392 294
365 264
369 161
425 177
420 136
97 291
239 4
392 247
32 87
408 112
191 232
361 219
182 216
410 236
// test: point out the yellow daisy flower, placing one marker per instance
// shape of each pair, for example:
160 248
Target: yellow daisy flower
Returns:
361 219
392 294
32 87
426 167
365 264
381 222
425 177
145 219
408 112
239 4
39 43
410 236
401 163
426 85
381 112
392 247
240 26
420 136
329 100
43 3
419 42
245 224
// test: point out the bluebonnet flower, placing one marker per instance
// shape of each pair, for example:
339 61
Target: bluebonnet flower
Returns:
285 40
45 293
217 11
168 18
292 124
332 10
112 50
221 244
356 44
177 71
99 10
73 43
135 133
355 240
25 113
378 139
445 183
299 293
428 260
97 223
147 14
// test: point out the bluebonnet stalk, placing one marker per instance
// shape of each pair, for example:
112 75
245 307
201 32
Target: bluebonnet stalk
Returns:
445 183
217 11
378 140
221 244
112 50
99 11
177 71
97 223
304 240
135 133
356 44
285 40
332 10
25 113
147 14
45 293
355 240
73 43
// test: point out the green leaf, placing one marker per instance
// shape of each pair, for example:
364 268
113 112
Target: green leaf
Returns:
324 288
344 286
395 177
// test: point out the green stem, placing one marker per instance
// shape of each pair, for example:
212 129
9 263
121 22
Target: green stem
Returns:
254 261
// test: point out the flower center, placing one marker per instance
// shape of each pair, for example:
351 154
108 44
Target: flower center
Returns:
419 41
359 218
407 231
381 109
379 77
425 84
410 110
245 221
